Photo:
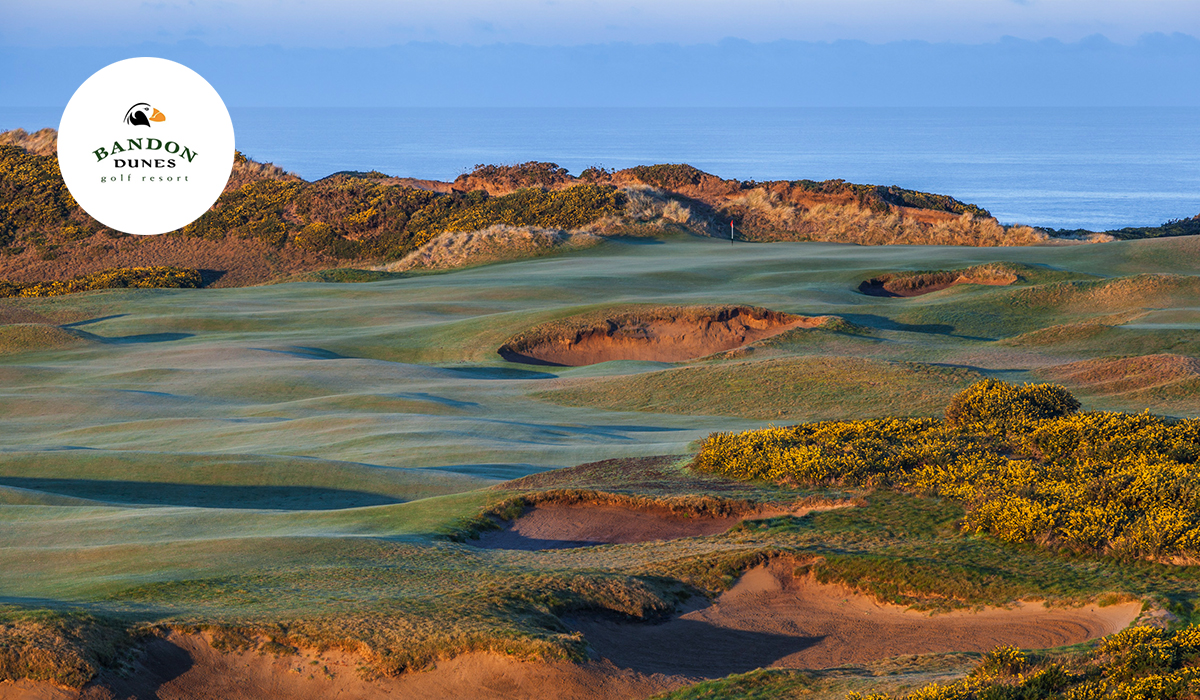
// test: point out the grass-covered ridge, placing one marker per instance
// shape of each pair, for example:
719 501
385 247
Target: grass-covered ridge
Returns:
1028 467
286 225
791 388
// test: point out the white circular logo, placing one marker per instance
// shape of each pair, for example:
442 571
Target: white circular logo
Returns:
145 146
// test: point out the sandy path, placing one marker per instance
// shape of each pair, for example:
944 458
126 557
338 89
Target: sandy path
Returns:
553 526
769 619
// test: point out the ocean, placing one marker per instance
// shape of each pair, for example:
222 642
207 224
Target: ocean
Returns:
1057 167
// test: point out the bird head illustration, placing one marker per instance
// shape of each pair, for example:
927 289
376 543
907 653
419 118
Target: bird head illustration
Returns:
141 114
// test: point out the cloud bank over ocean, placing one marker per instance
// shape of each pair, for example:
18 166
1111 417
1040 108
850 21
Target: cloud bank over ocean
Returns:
1157 70
377 23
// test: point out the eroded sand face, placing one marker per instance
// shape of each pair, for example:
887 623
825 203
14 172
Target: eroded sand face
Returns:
665 339
771 619
186 667
553 526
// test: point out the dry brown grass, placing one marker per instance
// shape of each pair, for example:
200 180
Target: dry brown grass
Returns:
43 142
246 171
1107 376
65 649
494 244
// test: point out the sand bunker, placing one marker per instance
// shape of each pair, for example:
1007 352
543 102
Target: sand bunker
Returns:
772 619
554 526
659 334
918 283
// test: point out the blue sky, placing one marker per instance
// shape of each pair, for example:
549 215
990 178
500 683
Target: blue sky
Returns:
370 23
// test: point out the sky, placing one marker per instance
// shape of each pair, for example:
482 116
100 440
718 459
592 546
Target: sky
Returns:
622 53
376 23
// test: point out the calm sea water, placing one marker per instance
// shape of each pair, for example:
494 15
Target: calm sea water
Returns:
1089 168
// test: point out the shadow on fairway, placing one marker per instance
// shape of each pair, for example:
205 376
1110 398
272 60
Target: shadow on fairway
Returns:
203 495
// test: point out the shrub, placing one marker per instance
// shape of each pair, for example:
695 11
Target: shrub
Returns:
531 174
668 176
1139 663
317 236
115 278
1007 660
1027 466
994 401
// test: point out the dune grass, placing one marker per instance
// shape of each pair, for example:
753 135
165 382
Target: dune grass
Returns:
66 649
494 243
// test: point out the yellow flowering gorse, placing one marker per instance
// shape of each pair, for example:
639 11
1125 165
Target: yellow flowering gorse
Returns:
1028 467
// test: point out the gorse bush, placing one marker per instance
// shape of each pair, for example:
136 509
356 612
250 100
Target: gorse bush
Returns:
348 216
668 176
992 401
1003 660
116 278
1027 466
1138 663
566 209
877 197
531 174
35 203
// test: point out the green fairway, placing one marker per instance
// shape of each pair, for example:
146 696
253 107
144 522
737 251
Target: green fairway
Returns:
301 452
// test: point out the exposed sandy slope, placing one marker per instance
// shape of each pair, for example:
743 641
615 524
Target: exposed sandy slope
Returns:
185 667
553 526
771 619
454 249
684 335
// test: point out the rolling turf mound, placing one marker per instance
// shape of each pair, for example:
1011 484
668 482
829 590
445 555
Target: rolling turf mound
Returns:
804 388
1075 308
1111 295
656 334
30 337
225 481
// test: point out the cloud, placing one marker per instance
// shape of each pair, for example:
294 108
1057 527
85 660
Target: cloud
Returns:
333 23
